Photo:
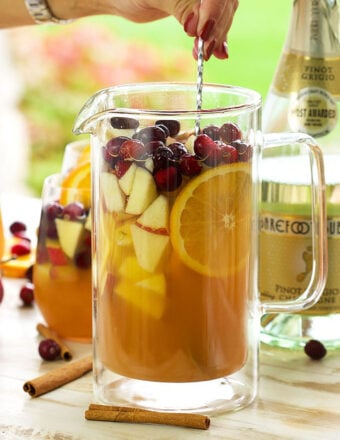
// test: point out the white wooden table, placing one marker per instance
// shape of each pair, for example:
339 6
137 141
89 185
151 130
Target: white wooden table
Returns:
299 399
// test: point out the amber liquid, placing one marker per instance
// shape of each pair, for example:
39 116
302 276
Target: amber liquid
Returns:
63 294
200 335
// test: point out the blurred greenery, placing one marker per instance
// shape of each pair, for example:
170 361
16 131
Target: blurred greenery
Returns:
70 63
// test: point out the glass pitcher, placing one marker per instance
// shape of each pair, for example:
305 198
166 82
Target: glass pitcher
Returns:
175 196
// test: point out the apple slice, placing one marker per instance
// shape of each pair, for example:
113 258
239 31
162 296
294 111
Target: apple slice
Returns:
127 179
151 249
114 197
69 234
156 216
149 295
143 192
56 255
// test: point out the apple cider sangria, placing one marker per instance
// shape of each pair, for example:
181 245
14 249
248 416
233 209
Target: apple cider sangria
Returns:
173 244
62 273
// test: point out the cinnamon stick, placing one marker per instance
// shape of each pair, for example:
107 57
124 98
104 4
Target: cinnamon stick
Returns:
135 415
58 377
48 333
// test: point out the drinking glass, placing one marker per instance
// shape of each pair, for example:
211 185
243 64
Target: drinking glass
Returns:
175 220
62 273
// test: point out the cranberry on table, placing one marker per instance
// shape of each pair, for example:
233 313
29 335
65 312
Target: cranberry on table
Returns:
49 349
17 227
27 294
22 248
315 349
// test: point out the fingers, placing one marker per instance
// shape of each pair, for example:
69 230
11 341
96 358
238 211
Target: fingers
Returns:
211 21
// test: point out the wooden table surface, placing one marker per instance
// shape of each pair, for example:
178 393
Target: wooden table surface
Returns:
298 398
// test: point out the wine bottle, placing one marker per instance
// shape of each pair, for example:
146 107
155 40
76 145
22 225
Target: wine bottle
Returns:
304 97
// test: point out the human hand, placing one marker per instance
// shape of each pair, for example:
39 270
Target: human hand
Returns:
208 19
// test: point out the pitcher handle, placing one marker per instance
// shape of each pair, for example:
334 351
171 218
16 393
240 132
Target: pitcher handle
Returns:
317 282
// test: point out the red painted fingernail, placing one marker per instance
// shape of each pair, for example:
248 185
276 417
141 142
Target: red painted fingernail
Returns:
190 24
207 28
209 50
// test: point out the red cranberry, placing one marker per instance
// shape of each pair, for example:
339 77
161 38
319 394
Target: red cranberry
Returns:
207 150
229 153
53 210
149 134
178 149
122 122
152 146
164 128
74 210
121 168
203 145
22 248
212 131
172 125
113 146
132 149
27 294
163 157
230 132
244 150
1 290
315 349
189 165
49 349
168 179
17 227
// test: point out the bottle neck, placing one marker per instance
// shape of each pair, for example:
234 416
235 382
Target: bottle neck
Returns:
314 28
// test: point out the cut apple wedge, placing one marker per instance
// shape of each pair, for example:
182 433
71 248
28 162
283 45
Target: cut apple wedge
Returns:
114 197
143 192
126 181
69 234
56 256
156 216
149 295
151 249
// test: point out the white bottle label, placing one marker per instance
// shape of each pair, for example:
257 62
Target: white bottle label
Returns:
313 111
286 261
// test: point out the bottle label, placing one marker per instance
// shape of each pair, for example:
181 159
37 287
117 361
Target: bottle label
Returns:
296 72
313 111
286 260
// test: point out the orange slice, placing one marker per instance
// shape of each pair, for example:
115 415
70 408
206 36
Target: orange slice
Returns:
76 186
210 221
84 156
